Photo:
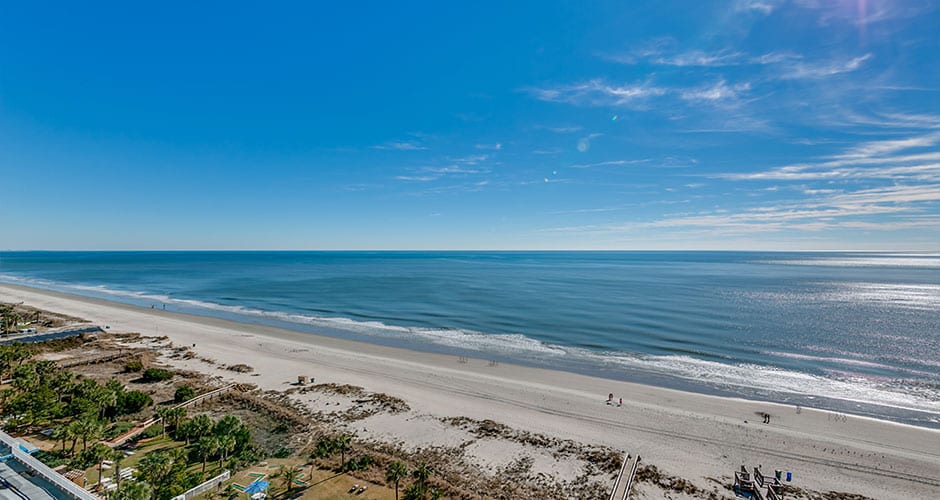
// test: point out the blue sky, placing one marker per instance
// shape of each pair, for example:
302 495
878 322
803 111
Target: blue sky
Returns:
751 124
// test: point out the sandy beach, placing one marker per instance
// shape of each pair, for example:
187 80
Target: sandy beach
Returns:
697 437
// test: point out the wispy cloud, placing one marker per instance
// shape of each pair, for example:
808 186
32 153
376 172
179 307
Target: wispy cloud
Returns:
471 159
550 151
400 146
808 70
846 194
565 129
460 167
598 93
495 147
609 163
867 160
782 65
718 91
864 12
822 212
691 58
417 178
664 53
763 7
882 147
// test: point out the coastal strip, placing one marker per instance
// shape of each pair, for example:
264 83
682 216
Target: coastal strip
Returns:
699 438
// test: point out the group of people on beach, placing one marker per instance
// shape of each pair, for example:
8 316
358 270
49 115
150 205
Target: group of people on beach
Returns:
610 400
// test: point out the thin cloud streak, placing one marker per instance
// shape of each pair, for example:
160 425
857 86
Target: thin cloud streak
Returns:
400 146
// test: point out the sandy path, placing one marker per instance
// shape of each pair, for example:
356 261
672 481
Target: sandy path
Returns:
690 435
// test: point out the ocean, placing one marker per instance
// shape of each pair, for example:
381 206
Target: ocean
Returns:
850 332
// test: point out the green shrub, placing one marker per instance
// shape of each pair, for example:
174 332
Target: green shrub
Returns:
184 393
152 431
133 366
84 459
133 401
117 429
51 458
157 375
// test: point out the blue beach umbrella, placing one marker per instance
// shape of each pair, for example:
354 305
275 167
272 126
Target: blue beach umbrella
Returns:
257 487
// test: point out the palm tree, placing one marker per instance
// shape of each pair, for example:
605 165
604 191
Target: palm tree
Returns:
207 446
156 468
133 490
63 434
227 425
325 448
176 416
343 443
396 472
169 415
62 383
100 452
89 429
421 473
202 425
117 456
74 432
290 475
226 445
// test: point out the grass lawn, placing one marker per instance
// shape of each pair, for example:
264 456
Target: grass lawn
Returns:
323 484
160 443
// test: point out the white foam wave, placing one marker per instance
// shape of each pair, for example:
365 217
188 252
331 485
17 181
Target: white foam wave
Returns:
503 344
771 379
832 359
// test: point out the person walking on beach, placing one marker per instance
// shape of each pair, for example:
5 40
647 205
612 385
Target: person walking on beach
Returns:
620 403
610 398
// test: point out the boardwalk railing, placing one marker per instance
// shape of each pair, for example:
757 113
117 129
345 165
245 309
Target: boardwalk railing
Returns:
619 480
636 465
202 397
118 441
71 489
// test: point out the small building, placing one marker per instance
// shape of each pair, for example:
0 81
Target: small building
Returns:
23 476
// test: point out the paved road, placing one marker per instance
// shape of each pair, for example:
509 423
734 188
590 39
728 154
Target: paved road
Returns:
44 336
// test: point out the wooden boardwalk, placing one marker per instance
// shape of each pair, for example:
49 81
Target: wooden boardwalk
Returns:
127 436
624 481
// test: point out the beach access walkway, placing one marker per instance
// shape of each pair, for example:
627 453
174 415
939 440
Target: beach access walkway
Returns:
127 436
624 481
756 485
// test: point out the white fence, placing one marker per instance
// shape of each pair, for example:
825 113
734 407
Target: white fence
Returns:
206 486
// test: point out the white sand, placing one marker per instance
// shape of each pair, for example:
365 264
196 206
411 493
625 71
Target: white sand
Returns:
690 435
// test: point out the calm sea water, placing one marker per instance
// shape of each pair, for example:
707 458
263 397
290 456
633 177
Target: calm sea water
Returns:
850 332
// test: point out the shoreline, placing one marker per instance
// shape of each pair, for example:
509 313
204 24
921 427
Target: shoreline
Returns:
386 349
684 433
594 368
